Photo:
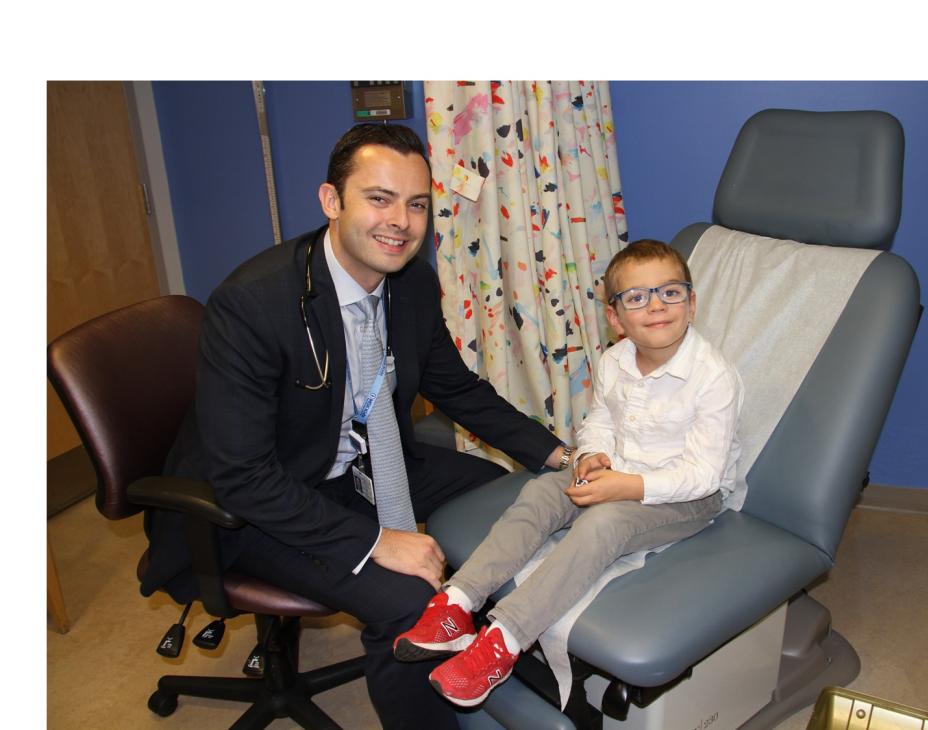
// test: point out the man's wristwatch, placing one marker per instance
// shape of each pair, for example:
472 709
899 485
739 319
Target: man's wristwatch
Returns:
565 457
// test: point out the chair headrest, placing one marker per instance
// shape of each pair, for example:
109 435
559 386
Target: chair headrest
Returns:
832 178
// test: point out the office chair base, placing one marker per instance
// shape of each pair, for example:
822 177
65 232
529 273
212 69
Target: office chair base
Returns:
268 702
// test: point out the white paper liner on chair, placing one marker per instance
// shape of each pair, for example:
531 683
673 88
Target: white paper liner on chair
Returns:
768 305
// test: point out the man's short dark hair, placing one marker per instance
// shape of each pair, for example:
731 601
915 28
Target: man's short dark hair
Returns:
647 249
397 137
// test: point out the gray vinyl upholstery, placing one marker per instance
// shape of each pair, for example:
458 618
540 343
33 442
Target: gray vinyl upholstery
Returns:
830 178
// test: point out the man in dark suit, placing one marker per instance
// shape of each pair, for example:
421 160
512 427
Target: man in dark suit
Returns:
277 390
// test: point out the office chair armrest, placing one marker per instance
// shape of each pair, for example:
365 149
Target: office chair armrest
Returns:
194 499
190 496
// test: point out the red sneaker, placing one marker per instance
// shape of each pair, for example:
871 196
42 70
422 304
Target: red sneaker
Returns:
441 630
467 678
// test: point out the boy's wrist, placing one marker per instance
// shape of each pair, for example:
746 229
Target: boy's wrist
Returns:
583 455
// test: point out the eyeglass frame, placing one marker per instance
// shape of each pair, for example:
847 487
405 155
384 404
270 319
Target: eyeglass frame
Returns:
617 297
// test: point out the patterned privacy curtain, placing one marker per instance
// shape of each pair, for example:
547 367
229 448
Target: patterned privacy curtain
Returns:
527 214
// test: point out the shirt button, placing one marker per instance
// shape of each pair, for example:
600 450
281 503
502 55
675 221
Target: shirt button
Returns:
631 418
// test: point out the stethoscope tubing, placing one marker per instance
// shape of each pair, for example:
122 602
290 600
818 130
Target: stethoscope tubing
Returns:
323 371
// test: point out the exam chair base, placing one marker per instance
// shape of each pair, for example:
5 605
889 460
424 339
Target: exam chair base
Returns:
807 668
755 681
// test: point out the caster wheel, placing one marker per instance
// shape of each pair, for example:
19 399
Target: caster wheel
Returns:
162 704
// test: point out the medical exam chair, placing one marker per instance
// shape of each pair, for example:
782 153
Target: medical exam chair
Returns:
717 630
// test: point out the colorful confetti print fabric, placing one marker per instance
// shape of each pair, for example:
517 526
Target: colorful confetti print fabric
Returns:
528 211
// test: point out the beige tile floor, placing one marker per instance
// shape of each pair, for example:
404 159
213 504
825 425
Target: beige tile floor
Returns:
101 673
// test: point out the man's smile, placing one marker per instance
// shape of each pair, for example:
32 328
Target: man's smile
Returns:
390 241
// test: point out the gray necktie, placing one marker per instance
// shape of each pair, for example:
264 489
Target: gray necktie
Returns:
391 486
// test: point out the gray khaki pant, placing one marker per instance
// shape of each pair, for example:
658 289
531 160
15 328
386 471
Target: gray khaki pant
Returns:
598 535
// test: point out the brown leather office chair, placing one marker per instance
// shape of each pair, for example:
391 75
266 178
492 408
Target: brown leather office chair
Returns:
126 379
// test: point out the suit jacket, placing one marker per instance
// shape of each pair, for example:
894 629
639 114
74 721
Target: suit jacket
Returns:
264 442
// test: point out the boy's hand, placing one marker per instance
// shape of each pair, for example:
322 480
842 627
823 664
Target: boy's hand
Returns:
605 485
591 462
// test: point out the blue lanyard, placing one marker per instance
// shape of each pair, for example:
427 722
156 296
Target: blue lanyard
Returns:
365 412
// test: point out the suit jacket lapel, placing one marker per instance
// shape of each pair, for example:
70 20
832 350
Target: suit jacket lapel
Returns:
403 339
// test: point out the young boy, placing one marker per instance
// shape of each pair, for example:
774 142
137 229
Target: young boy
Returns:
655 456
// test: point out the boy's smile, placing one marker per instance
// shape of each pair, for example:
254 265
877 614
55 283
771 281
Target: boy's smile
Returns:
657 329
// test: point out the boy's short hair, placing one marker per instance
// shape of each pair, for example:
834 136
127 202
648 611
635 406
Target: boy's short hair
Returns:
646 249
397 137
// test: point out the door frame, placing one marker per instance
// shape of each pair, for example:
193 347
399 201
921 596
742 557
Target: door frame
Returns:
146 135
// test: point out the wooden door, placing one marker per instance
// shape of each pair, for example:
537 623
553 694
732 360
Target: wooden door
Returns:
99 249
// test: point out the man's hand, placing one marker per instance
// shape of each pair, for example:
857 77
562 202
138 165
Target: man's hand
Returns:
605 485
410 553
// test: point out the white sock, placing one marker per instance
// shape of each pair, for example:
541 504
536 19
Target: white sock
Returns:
457 597
512 645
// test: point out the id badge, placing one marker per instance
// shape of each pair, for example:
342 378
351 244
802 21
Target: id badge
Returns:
358 436
363 484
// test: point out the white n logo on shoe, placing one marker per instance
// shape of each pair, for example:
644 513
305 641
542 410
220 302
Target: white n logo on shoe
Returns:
495 677
450 627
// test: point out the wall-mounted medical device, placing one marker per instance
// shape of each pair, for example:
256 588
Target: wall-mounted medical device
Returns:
376 100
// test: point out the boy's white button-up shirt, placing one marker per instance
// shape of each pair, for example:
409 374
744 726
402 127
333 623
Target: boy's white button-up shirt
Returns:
676 426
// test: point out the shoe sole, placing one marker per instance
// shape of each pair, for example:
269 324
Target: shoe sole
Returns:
463 702
406 651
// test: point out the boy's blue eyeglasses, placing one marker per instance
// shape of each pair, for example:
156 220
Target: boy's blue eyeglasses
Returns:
673 293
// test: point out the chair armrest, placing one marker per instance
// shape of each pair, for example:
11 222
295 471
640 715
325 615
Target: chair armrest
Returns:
190 496
436 429
194 499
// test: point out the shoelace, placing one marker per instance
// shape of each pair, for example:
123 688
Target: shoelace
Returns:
477 658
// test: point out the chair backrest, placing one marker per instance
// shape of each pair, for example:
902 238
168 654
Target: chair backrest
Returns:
831 178
127 379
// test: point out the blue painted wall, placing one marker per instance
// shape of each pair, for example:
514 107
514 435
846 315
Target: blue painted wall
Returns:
673 140
212 153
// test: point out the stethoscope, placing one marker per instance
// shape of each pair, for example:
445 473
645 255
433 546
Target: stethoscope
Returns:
323 370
